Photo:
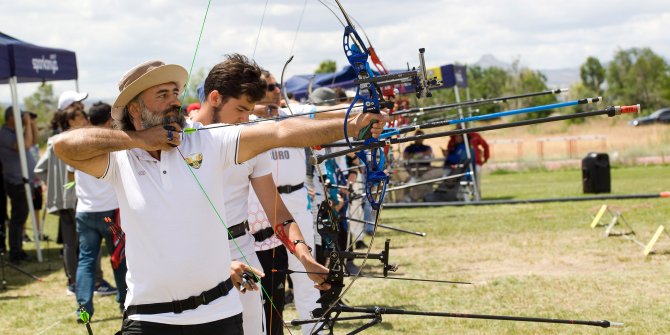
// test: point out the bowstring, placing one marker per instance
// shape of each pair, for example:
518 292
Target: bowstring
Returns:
204 192
260 28
377 212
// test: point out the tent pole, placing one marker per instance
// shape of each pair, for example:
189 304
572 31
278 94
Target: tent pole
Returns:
24 163
76 85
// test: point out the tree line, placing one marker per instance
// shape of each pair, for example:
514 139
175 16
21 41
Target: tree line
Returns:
635 75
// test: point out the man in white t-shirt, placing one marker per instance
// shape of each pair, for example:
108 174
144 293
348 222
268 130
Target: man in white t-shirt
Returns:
97 210
168 184
223 104
290 176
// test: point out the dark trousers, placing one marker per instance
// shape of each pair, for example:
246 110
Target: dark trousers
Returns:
273 283
68 229
227 326
19 214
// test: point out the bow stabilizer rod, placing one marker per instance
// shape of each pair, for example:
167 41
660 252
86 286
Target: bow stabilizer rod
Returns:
610 111
476 102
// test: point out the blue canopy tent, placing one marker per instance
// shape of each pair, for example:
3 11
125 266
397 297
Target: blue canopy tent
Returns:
450 75
299 86
22 62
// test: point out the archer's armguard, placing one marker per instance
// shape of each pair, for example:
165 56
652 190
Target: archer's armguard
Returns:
280 232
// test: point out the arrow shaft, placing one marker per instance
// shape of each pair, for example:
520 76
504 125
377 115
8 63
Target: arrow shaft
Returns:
526 110
477 102
359 145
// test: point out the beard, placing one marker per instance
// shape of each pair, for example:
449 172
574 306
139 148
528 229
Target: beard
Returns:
151 119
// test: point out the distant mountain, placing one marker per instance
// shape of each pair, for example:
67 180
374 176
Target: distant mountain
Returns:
556 78
489 60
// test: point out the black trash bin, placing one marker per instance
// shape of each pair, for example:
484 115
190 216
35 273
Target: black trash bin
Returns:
596 173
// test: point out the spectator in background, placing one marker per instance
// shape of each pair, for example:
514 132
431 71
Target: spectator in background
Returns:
13 178
418 158
62 201
97 210
38 199
192 109
418 151
455 153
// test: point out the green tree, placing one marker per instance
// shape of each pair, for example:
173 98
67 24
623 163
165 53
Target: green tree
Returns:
44 104
592 74
527 80
486 84
191 91
327 66
639 76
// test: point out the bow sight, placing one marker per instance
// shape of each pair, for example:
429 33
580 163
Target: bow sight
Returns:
417 77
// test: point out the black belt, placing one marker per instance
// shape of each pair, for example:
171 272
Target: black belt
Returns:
179 306
263 234
238 230
289 188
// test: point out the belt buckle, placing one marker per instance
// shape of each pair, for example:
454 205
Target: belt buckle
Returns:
176 307
202 298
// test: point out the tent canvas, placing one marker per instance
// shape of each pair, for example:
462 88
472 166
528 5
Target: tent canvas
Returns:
22 62
450 75
31 63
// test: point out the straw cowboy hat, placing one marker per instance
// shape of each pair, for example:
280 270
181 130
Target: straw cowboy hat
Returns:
144 76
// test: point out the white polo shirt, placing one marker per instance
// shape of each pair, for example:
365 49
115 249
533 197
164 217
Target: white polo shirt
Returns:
288 168
176 246
94 195
236 194
237 185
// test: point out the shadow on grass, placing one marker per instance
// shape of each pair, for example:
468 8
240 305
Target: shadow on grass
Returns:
505 197
27 272
348 326
7 298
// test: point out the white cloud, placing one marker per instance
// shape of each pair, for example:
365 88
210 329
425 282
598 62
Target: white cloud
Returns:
111 36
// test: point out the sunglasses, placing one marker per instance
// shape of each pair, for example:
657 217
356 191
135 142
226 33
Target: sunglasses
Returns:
271 87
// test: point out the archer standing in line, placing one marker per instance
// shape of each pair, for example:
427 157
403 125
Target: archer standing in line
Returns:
164 201
289 173
232 89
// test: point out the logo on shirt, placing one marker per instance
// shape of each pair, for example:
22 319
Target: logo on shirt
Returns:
280 154
194 160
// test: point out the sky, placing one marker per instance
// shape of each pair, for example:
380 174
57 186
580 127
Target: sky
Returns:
111 36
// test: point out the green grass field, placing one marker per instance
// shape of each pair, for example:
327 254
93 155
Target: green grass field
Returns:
538 260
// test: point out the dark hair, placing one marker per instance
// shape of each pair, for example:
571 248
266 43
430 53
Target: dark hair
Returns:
69 113
55 122
126 122
341 95
99 113
236 76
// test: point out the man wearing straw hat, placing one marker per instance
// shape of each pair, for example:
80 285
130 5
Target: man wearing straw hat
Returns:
180 275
